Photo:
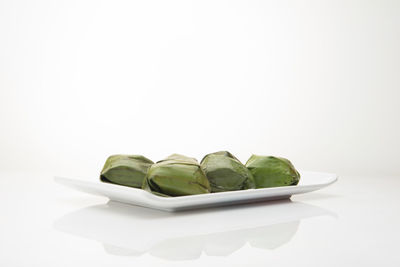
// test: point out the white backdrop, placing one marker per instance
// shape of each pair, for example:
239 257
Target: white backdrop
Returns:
317 82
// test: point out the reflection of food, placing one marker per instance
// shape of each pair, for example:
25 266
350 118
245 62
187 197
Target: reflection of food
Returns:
223 244
177 175
133 231
128 170
218 244
273 236
119 251
185 248
226 173
272 171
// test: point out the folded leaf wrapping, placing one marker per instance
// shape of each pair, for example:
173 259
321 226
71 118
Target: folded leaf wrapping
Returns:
128 170
271 171
177 175
226 173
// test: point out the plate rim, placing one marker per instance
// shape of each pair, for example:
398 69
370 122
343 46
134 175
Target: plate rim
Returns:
73 182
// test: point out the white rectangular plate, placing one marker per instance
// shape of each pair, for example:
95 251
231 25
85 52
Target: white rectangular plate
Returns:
309 181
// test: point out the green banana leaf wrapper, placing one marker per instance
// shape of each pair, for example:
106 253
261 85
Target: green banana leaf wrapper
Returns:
128 170
177 175
269 171
226 173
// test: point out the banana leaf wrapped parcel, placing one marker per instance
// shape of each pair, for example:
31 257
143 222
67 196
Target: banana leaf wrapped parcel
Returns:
177 175
128 170
271 171
226 173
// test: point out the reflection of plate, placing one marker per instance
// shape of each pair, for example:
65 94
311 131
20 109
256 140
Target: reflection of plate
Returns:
310 181
132 231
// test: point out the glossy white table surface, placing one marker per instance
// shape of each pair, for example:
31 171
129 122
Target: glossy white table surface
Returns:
354 222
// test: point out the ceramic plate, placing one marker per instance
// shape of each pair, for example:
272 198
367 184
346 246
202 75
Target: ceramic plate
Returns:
309 181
